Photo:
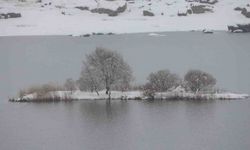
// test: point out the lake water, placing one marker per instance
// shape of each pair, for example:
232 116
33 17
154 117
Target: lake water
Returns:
125 125
25 61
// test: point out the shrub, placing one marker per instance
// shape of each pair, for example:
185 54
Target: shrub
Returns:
197 80
41 90
163 80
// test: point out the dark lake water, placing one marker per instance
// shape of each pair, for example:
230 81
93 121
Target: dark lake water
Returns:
125 125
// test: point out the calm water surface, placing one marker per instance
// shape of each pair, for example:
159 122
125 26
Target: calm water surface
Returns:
25 61
125 125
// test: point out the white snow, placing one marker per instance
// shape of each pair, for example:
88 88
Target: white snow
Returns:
208 31
156 34
176 93
238 31
231 96
49 20
102 95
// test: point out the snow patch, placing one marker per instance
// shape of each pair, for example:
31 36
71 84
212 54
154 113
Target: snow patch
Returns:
178 93
156 34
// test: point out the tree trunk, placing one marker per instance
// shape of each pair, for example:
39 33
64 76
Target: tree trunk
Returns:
97 92
109 95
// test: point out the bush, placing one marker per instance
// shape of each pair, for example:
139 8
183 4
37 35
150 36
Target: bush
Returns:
41 90
160 81
163 80
70 85
197 80
149 91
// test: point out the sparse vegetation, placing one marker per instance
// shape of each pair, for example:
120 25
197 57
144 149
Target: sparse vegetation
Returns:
197 80
163 80
106 68
70 85
45 92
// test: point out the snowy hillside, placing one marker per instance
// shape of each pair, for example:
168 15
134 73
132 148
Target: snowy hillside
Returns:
76 17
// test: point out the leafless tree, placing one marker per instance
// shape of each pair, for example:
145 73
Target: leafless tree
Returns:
89 79
197 80
70 84
163 80
160 81
123 84
149 91
109 68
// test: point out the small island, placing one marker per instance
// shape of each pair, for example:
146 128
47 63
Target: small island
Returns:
106 75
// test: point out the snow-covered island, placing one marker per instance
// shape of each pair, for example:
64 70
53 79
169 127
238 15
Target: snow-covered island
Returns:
105 75
85 17
128 95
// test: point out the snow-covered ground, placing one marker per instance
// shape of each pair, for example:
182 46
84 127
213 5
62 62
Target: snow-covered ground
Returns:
80 95
60 17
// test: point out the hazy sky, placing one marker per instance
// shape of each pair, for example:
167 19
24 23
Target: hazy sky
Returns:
25 61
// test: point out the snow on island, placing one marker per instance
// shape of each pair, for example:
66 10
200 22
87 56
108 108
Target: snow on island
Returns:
129 95
80 17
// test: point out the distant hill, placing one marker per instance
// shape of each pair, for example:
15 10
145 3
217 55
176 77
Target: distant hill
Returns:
76 17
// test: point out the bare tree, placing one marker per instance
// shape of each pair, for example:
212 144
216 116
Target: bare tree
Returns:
197 80
70 84
109 68
124 83
163 80
160 81
149 91
89 79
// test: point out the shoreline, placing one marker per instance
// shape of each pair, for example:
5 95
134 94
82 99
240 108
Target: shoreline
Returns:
100 34
67 96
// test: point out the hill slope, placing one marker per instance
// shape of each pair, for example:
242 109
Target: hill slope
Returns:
64 17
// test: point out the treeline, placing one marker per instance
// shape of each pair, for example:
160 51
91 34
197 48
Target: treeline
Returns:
104 69
164 81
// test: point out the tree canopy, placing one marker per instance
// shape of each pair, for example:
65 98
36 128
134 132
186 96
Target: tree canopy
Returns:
105 68
197 80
